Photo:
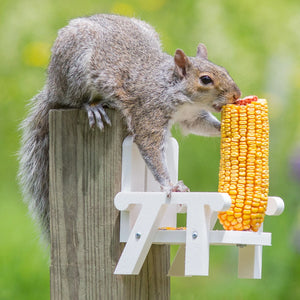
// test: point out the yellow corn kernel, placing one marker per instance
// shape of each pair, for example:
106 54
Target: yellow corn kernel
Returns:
247 222
230 212
244 171
237 215
238 226
223 216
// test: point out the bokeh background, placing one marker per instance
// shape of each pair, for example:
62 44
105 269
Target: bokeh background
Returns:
258 42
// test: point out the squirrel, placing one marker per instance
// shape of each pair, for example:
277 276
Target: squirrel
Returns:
116 61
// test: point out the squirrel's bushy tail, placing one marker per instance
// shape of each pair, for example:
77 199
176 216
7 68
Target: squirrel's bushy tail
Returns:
34 161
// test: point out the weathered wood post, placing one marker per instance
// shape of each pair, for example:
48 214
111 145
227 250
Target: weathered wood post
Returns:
85 175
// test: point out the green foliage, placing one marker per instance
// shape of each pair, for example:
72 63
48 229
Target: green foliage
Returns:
257 41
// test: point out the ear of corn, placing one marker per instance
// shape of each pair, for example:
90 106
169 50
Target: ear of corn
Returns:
244 171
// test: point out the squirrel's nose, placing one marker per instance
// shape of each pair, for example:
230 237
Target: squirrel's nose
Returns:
236 95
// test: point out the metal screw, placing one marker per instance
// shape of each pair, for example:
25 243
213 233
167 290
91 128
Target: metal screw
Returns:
138 235
194 234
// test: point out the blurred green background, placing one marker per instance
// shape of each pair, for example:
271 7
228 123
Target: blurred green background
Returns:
257 41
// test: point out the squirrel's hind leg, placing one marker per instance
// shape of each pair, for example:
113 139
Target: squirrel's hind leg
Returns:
96 115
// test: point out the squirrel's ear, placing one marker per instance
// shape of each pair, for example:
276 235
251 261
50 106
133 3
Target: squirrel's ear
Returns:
202 51
181 62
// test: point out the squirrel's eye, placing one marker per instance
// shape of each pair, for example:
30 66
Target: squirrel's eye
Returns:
206 79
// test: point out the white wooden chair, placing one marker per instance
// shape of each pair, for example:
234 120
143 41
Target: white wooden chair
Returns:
144 209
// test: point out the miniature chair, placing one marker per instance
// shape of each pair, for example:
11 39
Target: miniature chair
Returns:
144 210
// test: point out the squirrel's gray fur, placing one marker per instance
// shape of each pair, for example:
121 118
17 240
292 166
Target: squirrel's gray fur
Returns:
115 61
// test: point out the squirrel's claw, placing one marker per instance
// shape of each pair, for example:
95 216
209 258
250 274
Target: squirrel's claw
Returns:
178 187
96 115
104 115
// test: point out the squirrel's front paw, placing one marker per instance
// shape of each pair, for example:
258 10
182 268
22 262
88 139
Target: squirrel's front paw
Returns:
178 187
96 115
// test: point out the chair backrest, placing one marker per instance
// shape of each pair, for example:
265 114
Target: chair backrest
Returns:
136 177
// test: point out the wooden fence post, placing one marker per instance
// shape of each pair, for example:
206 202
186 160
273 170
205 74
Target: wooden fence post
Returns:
85 175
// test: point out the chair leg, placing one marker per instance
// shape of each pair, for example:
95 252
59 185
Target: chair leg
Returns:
250 262
177 268
197 240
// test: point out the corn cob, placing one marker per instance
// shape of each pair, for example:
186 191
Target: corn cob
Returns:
244 170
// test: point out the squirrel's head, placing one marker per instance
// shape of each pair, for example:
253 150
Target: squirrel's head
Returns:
206 83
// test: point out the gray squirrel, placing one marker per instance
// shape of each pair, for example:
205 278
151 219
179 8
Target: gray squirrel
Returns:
114 61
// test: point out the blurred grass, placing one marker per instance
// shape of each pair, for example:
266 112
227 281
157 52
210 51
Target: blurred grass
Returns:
257 41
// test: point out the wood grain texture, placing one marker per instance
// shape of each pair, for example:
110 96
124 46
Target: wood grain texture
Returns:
85 175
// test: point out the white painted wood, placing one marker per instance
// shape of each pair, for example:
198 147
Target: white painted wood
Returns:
133 167
250 256
144 209
172 237
124 226
217 201
173 158
178 265
133 179
172 151
224 237
213 219
275 206
126 164
170 217
250 262
137 248
136 177
198 219
216 237
197 244
250 259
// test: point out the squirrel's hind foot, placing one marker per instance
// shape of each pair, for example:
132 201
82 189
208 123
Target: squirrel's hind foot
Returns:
96 115
178 187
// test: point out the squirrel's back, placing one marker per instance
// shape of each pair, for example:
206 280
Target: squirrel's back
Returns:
101 50
97 51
